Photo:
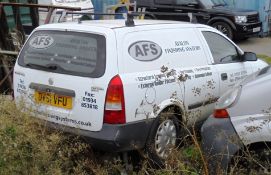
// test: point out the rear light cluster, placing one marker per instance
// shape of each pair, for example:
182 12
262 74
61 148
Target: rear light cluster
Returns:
226 101
114 112
221 113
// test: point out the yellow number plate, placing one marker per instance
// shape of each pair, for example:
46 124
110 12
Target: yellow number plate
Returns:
53 99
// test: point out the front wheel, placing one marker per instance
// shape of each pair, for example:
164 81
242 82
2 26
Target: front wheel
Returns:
224 28
162 140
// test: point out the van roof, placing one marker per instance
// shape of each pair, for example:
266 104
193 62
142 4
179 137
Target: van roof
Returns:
118 23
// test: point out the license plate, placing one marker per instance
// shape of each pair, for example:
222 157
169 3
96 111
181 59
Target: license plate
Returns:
53 99
257 29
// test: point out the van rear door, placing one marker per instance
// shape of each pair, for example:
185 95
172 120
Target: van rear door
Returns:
60 74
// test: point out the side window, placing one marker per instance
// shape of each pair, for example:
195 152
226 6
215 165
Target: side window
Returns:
222 50
185 2
164 2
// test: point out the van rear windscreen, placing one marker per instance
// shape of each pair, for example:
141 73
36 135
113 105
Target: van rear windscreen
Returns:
74 53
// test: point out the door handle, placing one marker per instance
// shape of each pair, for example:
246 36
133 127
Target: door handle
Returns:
224 76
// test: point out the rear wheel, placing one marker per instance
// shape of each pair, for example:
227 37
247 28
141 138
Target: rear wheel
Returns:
224 28
162 140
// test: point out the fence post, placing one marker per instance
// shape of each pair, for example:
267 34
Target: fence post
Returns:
5 44
19 26
34 15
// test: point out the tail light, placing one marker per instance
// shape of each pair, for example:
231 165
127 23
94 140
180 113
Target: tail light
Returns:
114 112
221 113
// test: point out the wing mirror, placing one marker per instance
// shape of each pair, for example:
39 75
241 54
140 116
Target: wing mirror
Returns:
249 56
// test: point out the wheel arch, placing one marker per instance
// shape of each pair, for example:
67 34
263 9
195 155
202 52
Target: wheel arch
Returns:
222 19
175 109
169 105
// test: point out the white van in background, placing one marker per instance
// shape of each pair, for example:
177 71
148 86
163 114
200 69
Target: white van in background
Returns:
60 16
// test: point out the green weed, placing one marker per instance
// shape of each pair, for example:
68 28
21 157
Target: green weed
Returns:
265 58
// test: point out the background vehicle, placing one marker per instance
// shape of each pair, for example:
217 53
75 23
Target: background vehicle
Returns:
235 23
238 133
60 16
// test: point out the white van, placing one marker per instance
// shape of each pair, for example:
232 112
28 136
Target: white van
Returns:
125 86
85 5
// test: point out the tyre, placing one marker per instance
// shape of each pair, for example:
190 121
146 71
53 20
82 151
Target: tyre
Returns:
224 28
163 138
256 161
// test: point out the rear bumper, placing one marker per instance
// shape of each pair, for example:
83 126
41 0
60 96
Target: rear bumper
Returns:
246 30
113 138
220 143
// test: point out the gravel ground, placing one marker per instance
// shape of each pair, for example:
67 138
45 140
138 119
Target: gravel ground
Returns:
258 45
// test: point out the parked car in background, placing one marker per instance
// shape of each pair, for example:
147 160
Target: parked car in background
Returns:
60 16
235 23
240 126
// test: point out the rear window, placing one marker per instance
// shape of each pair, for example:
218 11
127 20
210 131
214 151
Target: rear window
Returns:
74 53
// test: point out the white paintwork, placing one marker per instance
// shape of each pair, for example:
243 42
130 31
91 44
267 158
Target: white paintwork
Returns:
251 114
147 88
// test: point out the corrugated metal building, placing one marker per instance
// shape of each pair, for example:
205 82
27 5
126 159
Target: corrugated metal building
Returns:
100 6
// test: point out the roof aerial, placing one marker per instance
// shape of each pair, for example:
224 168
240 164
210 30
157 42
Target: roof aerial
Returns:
130 20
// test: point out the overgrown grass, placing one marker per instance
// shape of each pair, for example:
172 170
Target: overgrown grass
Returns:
265 58
28 147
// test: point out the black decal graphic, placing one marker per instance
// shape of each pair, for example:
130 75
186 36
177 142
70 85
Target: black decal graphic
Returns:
145 50
138 51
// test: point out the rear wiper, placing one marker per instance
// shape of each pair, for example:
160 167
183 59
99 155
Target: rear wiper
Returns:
44 67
